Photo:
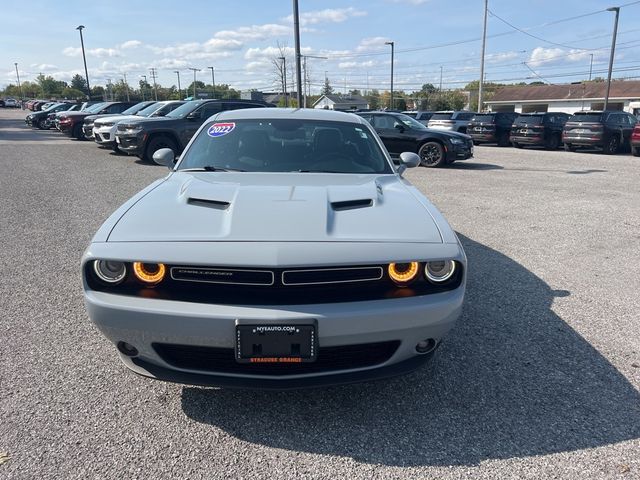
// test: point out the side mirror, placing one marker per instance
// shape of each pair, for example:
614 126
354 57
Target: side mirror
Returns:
164 156
408 160
193 116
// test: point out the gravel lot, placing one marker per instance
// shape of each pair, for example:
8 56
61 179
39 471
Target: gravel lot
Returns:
540 379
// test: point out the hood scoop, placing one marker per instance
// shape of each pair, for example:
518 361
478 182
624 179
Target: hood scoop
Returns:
352 204
205 202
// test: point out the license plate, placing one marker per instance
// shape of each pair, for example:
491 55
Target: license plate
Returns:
283 343
525 131
580 130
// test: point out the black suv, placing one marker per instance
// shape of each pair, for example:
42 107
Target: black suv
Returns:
401 133
608 130
491 127
544 129
145 136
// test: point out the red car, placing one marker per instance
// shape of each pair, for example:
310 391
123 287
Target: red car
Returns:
635 141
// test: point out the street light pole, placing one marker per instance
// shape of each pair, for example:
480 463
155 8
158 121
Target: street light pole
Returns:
126 85
84 59
194 80
177 72
213 83
284 80
613 51
590 66
296 29
484 43
19 86
392 48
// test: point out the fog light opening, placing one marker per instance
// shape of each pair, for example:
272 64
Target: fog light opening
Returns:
426 346
127 349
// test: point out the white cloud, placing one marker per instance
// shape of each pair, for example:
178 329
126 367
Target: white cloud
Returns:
255 32
372 43
366 64
543 56
329 15
43 67
501 57
92 52
209 50
130 44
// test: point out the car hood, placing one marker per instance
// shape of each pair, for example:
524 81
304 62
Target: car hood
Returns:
299 207
450 134
114 118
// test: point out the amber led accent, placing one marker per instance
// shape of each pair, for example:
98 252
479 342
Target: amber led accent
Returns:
403 273
149 273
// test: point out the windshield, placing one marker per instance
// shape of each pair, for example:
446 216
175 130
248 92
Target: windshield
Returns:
529 120
483 118
410 122
135 109
590 117
183 110
95 108
149 109
441 116
53 107
286 145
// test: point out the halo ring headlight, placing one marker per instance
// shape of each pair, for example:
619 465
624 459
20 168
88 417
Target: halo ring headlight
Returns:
110 271
403 273
439 271
149 273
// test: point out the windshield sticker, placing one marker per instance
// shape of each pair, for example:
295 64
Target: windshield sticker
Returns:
220 129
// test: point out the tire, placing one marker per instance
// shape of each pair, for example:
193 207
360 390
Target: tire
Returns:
155 144
503 140
41 123
611 146
569 147
432 154
635 151
553 143
516 144
77 132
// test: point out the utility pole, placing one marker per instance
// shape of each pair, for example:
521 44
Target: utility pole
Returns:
392 47
142 87
109 91
612 54
177 72
126 85
213 83
84 58
19 86
590 66
284 80
484 43
440 79
155 87
296 29
194 80
306 80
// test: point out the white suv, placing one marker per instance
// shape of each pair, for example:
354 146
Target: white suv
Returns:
452 121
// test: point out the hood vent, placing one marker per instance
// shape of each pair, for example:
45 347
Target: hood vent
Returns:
203 202
351 204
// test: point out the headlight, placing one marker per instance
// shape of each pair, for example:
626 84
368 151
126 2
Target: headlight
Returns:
403 273
456 141
110 271
130 129
440 270
149 273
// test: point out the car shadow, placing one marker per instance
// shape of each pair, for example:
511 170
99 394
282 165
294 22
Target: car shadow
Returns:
466 165
512 380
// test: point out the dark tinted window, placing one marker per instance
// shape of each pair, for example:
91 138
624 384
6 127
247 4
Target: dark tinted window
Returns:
441 116
529 120
484 118
464 116
209 109
285 145
118 108
588 117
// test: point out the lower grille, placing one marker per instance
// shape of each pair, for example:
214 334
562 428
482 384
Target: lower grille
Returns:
330 359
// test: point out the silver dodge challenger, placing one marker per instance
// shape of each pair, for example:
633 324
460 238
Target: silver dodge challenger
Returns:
284 249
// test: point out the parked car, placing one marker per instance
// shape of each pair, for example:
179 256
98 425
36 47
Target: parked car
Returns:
491 127
422 116
44 119
635 140
145 136
543 129
401 133
273 255
126 108
71 123
457 121
11 103
104 129
608 130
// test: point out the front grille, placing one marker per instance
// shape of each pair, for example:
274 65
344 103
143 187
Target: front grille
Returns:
330 359
331 275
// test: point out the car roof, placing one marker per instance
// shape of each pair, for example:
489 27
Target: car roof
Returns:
289 113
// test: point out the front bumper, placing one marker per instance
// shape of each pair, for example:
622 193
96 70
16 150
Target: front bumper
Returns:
459 151
105 136
87 129
132 144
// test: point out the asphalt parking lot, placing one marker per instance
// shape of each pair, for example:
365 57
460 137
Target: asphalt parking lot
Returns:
540 379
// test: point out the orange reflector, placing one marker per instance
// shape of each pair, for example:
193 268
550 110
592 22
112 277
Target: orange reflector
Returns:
403 273
149 273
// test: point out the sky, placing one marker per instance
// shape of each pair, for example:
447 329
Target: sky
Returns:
534 40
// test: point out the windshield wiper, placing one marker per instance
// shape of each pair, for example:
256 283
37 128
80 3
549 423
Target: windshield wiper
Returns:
211 168
317 171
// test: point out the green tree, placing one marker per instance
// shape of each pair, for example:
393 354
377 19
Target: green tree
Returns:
355 92
373 99
327 89
70 93
200 88
79 83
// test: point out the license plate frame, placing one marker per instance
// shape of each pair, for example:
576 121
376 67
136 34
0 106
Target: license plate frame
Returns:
284 342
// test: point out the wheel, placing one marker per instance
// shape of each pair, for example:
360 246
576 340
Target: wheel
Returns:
41 123
156 144
503 140
635 151
552 143
569 147
611 146
77 132
516 144
432 155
